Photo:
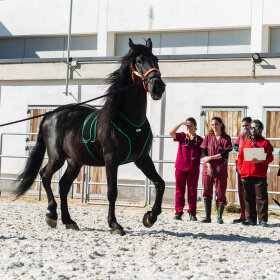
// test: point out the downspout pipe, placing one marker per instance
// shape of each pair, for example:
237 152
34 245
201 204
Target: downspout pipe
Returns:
68 48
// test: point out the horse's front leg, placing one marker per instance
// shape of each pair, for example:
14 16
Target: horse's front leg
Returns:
112 193
148 168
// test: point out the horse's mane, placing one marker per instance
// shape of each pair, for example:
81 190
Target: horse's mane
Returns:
120 78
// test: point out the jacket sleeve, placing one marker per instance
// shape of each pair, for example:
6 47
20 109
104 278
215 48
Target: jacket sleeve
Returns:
241 157
269 156
236 147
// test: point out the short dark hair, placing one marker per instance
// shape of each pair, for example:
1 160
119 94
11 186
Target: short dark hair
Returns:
192 120
258 123
247 119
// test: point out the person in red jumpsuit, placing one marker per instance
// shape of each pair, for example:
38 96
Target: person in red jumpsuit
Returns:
246 122
254 176
215 149
187 167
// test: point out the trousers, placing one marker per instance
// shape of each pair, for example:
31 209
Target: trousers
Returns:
191 179
241 198
220 182
255 198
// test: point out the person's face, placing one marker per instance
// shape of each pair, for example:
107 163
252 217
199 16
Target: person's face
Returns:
190 127
216 126
246 126
255 130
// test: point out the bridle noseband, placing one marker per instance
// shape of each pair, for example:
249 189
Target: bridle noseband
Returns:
144 77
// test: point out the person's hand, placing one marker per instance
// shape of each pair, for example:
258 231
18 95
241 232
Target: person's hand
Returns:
254 160
184 123
209 171
206 159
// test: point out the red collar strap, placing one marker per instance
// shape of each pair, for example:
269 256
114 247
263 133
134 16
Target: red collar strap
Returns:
143 77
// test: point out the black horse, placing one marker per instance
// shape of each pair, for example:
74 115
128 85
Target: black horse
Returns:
117 134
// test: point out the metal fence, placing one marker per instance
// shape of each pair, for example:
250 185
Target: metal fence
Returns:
85 195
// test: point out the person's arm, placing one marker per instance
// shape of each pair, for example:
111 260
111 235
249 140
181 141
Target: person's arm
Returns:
175 128
269 155
209 158
235 147
236 143
241 157
224 154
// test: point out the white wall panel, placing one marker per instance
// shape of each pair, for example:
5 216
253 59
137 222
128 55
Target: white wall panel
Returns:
271 10
127 15
38 17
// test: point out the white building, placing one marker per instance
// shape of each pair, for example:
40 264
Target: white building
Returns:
204 47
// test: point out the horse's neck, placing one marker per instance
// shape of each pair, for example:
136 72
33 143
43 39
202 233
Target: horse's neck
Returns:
134 105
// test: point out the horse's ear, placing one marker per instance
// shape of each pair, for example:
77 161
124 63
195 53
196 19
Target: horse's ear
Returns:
131 44
149 44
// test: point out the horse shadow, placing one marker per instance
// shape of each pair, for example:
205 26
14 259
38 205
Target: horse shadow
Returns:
224 237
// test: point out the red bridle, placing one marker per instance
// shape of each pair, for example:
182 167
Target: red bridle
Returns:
144 76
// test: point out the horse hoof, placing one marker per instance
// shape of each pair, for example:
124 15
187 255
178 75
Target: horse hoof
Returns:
51 222
118 231
72 226
146 221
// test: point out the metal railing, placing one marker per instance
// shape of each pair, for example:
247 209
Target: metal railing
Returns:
85 182
150 187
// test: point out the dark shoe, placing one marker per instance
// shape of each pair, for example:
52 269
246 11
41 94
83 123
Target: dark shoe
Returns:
249 223
237 221
220 214
192 216
178 216
206 220
264 224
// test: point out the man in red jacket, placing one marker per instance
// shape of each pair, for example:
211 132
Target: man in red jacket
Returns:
254 176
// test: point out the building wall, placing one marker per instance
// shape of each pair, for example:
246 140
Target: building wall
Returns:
191 83
106 18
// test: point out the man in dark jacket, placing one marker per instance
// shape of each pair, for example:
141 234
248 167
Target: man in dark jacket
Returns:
254 176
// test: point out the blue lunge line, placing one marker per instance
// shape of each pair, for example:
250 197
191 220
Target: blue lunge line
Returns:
73 105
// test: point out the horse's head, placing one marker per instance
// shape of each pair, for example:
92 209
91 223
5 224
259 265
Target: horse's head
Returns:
145 66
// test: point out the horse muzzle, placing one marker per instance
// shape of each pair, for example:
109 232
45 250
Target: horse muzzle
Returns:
156 88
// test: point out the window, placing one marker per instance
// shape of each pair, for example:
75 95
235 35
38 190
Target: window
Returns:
48 47
195 42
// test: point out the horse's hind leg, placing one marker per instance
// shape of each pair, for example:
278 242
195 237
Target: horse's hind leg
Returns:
147 166
65 183
46 174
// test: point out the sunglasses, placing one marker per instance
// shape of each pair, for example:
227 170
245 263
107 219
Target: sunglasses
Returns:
254 128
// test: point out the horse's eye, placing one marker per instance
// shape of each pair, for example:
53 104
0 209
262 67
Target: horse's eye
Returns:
138 61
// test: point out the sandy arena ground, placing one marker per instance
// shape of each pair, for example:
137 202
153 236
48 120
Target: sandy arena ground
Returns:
169 250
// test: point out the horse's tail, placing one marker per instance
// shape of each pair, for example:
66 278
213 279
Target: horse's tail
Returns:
32 167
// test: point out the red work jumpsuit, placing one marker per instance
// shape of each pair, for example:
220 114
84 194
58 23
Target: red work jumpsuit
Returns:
219 166
187 171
